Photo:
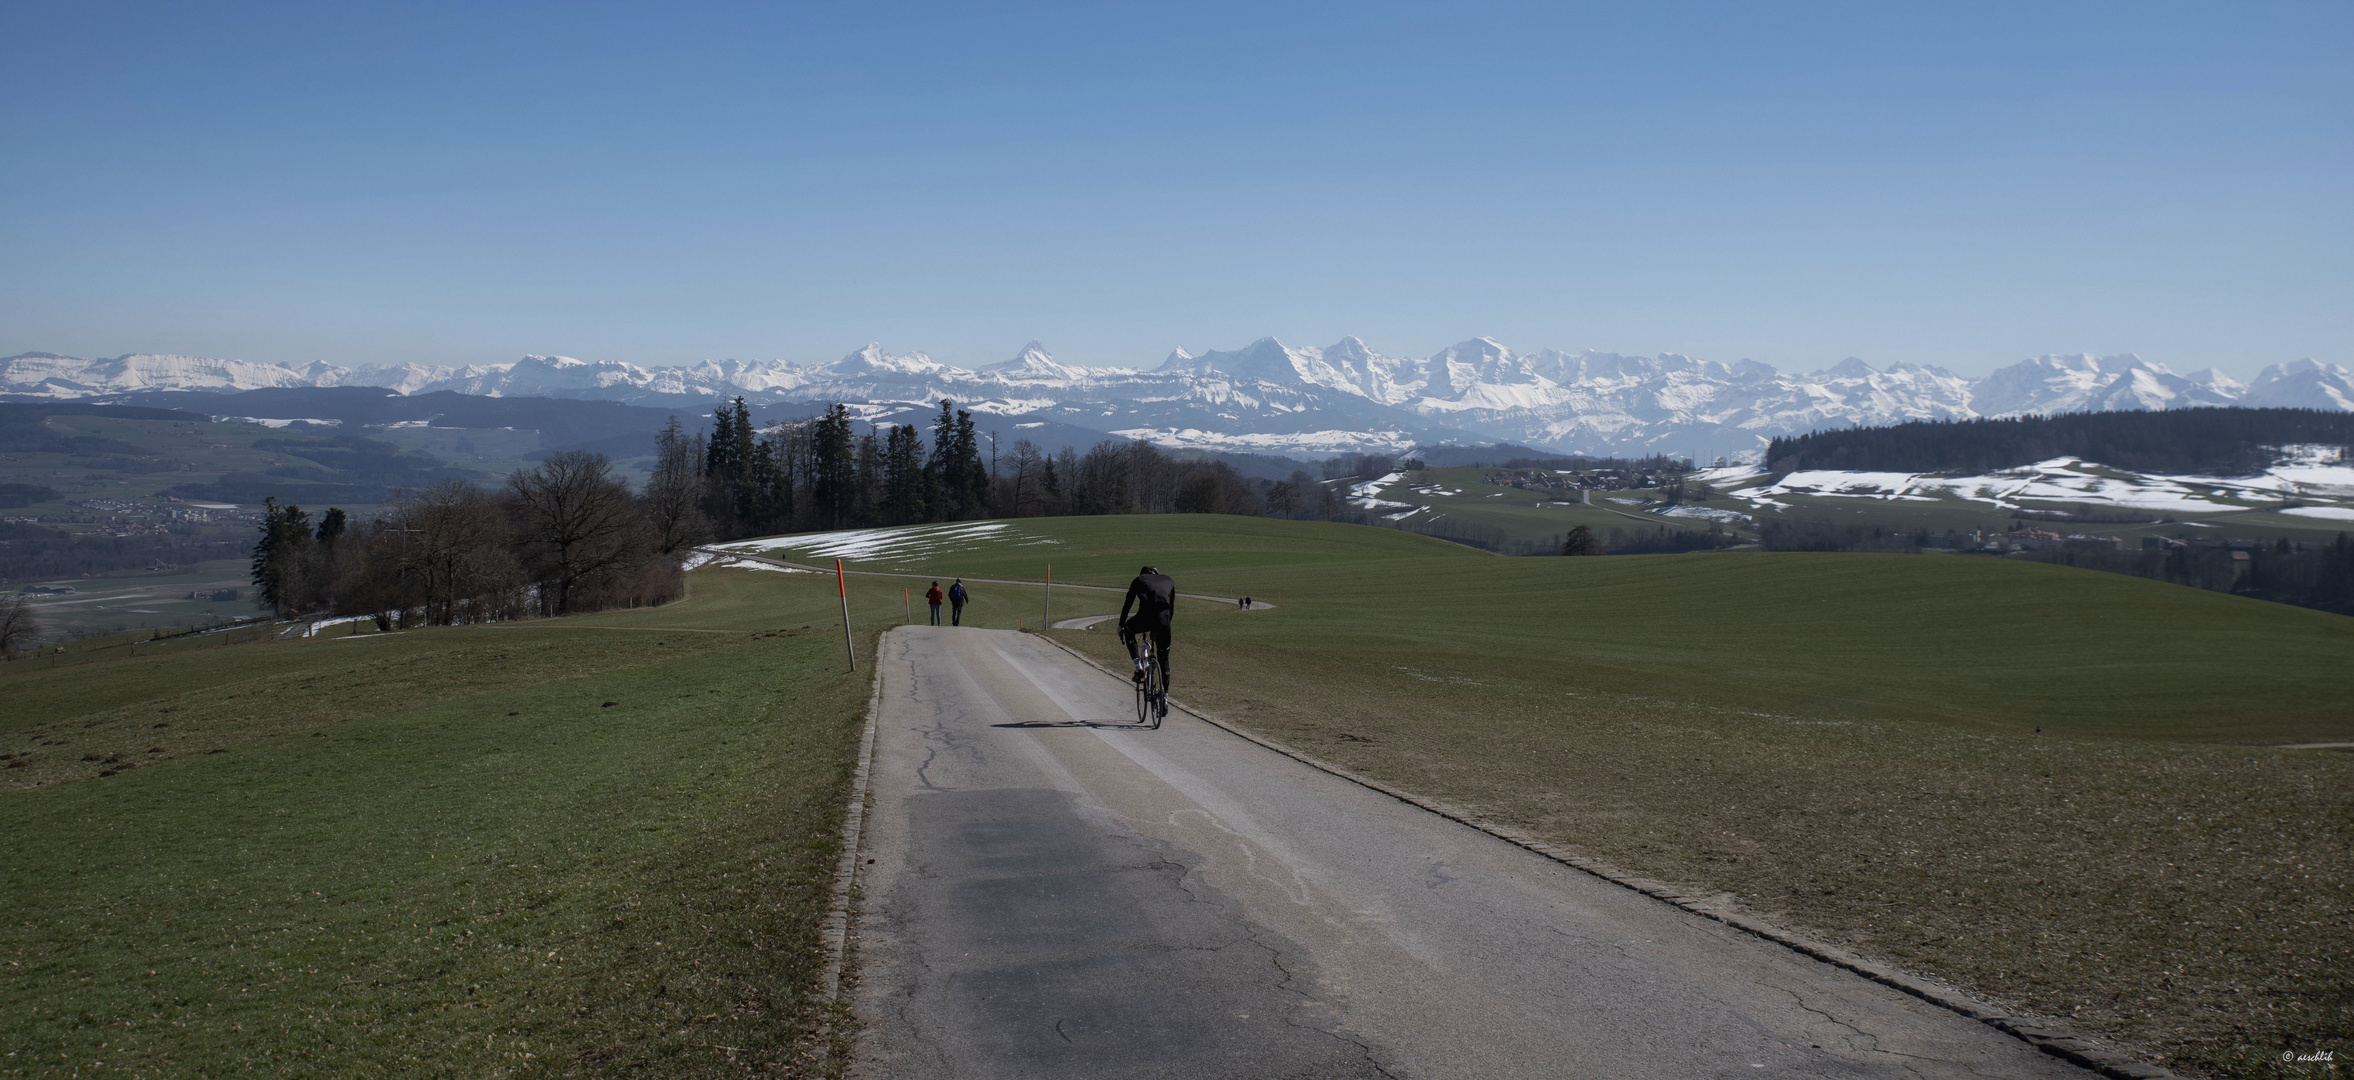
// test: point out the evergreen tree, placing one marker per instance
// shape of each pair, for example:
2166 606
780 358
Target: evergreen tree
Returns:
903 476
969 476
280 558
731 497
939 503
868 483
833 471
771 487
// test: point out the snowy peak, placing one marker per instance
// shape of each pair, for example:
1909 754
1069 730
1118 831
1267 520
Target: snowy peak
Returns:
2056 383
872 360
1034 364
2303 384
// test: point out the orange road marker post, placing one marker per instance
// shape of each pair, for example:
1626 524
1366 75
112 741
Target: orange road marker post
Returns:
842 585
907 602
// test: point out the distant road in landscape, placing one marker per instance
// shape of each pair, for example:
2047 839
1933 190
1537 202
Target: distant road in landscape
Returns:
1050 891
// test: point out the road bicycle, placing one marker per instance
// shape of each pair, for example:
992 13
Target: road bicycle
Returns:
1152 698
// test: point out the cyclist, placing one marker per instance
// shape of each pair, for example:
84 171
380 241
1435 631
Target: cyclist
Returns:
1154 596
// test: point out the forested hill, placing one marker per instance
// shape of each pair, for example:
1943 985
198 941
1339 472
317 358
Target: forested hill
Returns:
2203 442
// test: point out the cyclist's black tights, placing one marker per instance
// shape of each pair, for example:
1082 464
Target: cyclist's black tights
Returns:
1160 641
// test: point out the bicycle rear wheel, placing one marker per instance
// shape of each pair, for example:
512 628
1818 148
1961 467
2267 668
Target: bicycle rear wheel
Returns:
1144 686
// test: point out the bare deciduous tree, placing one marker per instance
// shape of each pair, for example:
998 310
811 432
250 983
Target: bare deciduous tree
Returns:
17 625
577 523
451 543
674 493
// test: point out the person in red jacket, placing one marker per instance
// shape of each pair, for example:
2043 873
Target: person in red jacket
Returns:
933 596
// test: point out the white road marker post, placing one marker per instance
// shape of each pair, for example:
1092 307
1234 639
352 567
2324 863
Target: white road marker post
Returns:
1046 613
842 585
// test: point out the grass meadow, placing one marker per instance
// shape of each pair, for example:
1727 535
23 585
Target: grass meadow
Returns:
443 852
2058 788
589 845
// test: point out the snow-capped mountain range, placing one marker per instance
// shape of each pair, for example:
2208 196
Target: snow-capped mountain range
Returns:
1268 397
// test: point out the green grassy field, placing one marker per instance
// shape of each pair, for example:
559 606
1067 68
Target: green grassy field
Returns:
1984 644
598 844
1849 743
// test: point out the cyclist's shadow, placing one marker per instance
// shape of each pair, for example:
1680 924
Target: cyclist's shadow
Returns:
1070 724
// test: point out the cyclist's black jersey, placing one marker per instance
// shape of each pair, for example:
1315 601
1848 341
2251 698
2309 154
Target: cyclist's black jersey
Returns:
1155 599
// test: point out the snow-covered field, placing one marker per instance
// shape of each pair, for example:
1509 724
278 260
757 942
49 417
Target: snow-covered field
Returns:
2313 475
894 543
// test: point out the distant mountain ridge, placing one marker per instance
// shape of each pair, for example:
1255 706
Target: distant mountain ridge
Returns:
1267 397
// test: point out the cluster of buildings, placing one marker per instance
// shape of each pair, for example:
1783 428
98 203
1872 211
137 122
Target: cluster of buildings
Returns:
1570 482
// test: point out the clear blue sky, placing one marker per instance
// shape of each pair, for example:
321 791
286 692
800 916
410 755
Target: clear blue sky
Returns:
1960 184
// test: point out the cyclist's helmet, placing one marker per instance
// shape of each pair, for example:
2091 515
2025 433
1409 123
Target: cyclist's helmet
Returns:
1150 570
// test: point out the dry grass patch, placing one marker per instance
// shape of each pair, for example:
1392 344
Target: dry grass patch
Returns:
2197 900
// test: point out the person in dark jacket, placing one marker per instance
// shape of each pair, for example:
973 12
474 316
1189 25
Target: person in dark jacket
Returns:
956 598
932 596
1154 596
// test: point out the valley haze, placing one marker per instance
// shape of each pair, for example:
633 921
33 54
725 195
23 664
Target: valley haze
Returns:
1272 398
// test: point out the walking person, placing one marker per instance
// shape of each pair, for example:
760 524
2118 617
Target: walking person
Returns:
956 598
933 596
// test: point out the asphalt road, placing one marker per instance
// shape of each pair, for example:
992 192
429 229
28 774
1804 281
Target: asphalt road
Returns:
1050 891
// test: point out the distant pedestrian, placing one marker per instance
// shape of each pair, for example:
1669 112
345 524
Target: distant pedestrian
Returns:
933 596
1246 603
956 598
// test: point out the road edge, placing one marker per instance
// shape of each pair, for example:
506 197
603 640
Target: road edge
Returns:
834 932
2044 1035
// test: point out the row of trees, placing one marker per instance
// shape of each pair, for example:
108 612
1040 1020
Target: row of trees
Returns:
738 480
2314 575
2303 573
2207 442
565 536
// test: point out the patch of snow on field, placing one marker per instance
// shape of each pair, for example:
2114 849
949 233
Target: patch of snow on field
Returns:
1708 512
2074 480
752 564
1367 496
274 422
901 542
313 629
696 559
2327 513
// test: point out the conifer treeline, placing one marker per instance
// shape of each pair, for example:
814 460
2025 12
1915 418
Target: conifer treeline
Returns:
2204 442
739 481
